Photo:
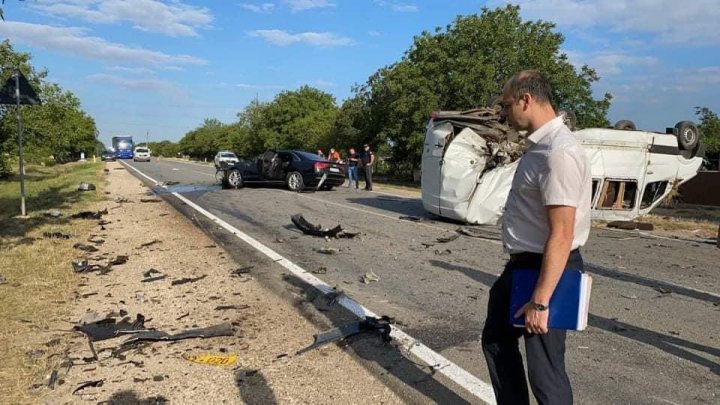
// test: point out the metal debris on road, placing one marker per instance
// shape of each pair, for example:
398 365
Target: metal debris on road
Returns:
662 290
86 186
478 233
85 248
315 230
370 324
411 218
118 260
152 275
224 329
369 277
443 252
152 242
241 271
328 251
90 214
448 238
150 200
87 384
185 315
53 379
320 270
109 328
227 307
631 225
212 359
186 280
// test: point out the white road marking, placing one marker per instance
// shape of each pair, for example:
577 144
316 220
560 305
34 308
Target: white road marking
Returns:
475 386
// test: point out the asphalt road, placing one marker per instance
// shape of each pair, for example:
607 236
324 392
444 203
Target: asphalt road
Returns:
654 334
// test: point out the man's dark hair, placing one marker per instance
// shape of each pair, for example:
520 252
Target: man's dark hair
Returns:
529 82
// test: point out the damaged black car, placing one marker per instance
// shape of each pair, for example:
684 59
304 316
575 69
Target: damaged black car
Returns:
297 170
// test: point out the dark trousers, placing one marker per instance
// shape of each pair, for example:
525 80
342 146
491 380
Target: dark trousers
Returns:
545 353
367 170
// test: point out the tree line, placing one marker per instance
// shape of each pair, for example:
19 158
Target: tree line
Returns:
58 130
457 67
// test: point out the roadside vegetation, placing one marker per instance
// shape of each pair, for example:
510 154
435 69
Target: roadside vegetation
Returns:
36 277
56 131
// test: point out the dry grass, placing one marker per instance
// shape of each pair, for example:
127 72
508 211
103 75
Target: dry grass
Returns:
39 281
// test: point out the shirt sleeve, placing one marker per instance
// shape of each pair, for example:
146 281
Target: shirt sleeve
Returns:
563 182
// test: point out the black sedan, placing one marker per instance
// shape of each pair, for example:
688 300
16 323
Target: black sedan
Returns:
295 169
107 156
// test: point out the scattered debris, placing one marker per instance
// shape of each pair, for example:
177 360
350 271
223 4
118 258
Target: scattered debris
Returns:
53 379
328 251
212 359
87 384
152 242
150 200
317 230
80 265
85 248
279 240
89 214
55 235
448 238
631 225
96 240
478 233
369 324
186 280
2 279
152 275
104 222
35 353
86 186
122 200
185 315
320 270
52 214
369 277
226 307
242 270
662 290
443 252
411 218
118 260
119 168
108 328
224 329
170 183
630 297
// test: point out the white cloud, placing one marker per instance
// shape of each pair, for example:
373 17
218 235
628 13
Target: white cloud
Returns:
75 41
611 63
140 85
131 70
374 33
669 21
166 17
259 8
321 83
398 6
302 5
284 38
259 86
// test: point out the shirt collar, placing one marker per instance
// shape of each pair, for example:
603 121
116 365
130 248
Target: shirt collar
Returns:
545 129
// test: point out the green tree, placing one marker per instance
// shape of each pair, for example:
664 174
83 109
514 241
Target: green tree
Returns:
462 66
710 130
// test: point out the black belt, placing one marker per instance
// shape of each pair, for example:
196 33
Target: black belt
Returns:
535 259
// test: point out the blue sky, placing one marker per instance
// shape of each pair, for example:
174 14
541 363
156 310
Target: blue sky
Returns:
163 66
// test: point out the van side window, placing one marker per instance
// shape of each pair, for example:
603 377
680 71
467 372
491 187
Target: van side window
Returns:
653 192
618 195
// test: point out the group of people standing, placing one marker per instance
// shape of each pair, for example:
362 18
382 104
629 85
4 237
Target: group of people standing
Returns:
364 160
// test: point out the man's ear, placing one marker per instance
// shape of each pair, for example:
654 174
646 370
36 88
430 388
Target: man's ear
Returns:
527 98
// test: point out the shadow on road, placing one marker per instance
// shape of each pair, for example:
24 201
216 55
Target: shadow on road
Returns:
254 388
402 206
128 397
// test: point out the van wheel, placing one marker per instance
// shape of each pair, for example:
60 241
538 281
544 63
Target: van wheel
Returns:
688 135
569 119
295 181
625 125
233 179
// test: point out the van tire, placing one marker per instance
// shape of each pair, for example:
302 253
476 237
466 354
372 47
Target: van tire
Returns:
569 119
688 135
625 125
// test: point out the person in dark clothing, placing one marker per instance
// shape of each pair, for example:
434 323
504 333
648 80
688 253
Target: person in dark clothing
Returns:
368 159
353 160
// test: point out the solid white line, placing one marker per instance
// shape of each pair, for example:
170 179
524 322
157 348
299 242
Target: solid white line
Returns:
439 363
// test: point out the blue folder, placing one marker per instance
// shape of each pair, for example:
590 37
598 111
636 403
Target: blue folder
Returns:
569 303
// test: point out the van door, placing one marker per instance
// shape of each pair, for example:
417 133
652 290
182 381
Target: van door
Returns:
432 157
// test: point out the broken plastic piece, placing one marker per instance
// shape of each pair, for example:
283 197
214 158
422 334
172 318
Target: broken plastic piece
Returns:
328 251
89 214
86 384
150 200
224 329
212 359
369 277
152 275
314 230
108 328
186 280
86 186
120 259
381 325
242 270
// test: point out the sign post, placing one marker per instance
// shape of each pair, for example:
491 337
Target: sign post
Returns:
20 145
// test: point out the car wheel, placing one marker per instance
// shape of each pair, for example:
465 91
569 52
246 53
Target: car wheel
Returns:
295 181
688 135
625 125
233 179
569 119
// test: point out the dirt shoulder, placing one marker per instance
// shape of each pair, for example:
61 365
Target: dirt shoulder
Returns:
268 330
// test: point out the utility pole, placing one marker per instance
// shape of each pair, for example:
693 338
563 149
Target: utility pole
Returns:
20 145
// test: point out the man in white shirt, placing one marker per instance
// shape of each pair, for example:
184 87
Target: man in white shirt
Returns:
546 221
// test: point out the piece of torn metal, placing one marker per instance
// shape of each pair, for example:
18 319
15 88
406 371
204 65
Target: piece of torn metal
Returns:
227 307
53 379
369 277
186 280
328 251
242 270
55 235
152 242
87 384
85 248
109 328
150 200
448 238
118 260
85 186
478 233
152 275
381 326
315 230
224 329
212 359
89 214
